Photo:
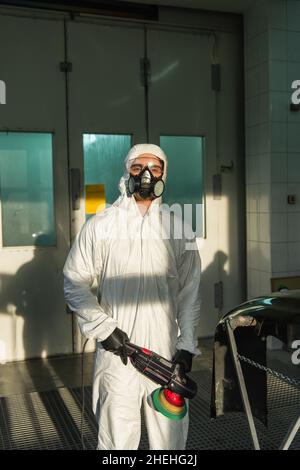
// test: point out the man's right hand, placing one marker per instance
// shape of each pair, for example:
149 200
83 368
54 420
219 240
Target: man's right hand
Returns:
115 343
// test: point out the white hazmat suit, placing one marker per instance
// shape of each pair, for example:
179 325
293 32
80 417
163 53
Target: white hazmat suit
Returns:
149 287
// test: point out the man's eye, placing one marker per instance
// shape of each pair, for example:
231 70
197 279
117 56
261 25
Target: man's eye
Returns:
136 168
156 169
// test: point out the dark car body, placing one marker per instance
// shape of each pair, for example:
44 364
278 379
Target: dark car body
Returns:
251 322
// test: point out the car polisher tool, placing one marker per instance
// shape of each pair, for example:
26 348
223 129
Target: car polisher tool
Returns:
169 399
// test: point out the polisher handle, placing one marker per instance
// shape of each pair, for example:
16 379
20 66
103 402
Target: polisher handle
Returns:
161 370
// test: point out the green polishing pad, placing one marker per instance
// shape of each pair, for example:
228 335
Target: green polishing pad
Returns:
161 405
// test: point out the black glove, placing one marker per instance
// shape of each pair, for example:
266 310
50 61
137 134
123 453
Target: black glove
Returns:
185 358
115 343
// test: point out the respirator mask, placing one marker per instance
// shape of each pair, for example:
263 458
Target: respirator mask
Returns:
146 180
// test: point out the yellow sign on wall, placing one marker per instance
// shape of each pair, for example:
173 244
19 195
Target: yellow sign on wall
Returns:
94 198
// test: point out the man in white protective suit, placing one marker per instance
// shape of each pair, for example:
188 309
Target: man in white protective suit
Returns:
148 292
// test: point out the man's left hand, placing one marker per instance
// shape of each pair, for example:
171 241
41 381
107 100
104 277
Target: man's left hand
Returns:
185 358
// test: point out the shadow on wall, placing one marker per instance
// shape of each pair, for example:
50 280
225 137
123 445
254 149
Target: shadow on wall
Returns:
214 271
29 300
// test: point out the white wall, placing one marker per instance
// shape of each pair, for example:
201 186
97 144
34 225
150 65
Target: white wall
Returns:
272 62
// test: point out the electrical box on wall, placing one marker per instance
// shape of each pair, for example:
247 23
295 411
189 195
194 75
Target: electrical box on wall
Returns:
2 92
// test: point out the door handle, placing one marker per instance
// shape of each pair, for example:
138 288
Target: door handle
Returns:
75 188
